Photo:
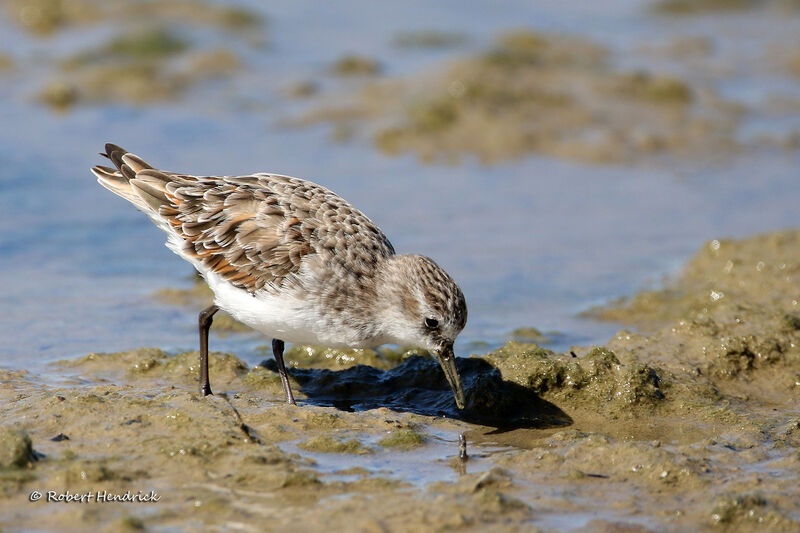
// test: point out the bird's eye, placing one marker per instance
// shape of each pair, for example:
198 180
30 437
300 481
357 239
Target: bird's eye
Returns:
431 323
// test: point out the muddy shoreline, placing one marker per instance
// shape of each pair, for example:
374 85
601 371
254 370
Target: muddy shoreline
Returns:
692 423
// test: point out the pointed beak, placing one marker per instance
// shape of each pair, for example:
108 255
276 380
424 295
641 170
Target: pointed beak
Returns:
447 360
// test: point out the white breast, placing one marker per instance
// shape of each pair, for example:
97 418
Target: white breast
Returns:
283 316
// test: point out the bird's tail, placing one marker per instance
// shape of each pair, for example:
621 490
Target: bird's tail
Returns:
146 188
122 179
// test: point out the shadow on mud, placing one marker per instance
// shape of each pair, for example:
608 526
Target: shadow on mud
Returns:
418 386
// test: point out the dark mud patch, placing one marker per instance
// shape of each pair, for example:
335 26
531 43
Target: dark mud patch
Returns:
418 385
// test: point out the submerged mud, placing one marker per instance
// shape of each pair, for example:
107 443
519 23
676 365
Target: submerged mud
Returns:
538 93
692 424
152 58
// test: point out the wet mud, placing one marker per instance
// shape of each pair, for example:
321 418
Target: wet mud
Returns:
690 424
355 65
700 7
428 39
528 92
47 17
538 93
155 56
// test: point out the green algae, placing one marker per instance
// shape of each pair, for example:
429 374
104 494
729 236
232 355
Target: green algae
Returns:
539 93
339 358
153 62
300 479
730 318
529 335
598 378
672 420
219 363
656 89
147 60
749 511
699 7
150 43
429 39
375 484
526 48
154 366
263 379
355 65
329 444
229 18
325 420
58 95
16 449
144 74
728 507
239 18
402 439
45 17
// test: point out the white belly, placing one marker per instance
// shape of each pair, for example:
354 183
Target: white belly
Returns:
283 317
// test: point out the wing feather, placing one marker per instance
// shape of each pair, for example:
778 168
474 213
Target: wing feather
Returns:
255 231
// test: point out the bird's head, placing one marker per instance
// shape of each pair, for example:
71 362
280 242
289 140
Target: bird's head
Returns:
426 309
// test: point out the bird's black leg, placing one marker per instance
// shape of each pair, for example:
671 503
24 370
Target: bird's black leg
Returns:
277 351
205 319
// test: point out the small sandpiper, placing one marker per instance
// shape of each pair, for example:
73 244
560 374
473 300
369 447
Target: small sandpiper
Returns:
296 262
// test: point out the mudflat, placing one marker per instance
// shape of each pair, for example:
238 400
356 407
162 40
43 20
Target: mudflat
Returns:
692 422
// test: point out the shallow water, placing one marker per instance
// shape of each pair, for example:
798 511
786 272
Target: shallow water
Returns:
438 460
533 242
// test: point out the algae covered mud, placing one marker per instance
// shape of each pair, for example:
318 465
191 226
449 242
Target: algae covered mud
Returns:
552 157
692 424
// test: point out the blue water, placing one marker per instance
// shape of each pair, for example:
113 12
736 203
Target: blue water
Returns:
532 242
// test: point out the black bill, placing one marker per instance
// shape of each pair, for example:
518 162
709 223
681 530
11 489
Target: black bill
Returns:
447 360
